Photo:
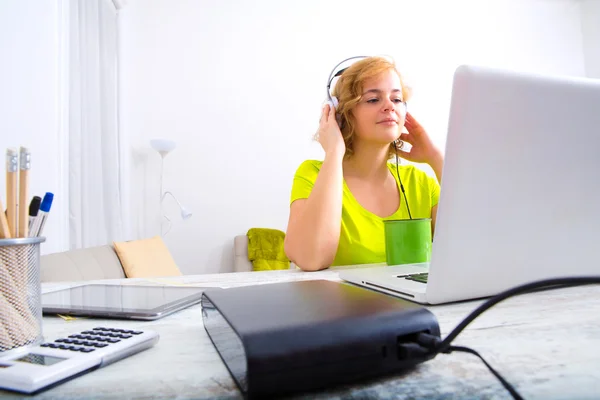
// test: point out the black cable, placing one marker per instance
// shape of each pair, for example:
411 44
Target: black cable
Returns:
522 289
400 181
506 385
435 345
432 343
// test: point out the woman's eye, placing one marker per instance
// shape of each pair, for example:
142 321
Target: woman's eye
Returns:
398 101
372 100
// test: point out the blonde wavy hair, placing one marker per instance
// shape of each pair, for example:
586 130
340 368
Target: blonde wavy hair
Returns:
348 90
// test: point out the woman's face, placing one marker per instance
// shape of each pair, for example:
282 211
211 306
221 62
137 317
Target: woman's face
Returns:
379 116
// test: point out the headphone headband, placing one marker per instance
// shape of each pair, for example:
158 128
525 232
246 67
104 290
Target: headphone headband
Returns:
332 76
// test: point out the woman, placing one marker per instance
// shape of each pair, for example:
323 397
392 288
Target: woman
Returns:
338 205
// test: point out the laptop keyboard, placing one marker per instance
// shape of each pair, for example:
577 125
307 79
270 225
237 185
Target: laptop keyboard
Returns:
422 277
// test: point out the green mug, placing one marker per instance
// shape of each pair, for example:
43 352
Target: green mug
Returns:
407 241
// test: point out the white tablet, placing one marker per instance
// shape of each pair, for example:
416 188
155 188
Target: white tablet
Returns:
121 301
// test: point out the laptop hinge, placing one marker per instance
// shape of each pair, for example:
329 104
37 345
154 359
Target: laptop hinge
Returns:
389 290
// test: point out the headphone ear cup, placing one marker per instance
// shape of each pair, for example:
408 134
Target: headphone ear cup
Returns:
338 116
335 102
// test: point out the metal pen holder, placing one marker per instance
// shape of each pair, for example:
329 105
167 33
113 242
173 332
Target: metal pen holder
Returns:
20 294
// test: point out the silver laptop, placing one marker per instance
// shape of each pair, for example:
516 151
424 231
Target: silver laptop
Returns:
520 197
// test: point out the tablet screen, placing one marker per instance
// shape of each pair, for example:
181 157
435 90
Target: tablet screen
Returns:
127 301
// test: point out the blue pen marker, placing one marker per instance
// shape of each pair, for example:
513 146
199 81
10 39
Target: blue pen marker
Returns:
40 220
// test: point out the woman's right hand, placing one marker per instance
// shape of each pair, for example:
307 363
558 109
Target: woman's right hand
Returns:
329 134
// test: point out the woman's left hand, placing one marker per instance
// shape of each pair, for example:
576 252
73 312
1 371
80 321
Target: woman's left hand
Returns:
422 148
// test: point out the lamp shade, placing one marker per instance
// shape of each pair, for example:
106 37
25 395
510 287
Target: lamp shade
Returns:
163 146
185 213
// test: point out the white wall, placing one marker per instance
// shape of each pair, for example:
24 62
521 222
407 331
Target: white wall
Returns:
238 85
28 101
590 26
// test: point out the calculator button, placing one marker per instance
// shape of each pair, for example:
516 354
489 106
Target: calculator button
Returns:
74 348
86 350
100 329
124 336
63 347
45 345
87 343
68 341
53 346
135 332
75 336
113 340
60 340
88 332
100 345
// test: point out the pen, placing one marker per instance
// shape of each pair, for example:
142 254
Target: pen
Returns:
25 165
40 220
34 207
11 190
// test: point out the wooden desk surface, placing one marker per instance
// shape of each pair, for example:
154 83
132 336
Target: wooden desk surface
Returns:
546 344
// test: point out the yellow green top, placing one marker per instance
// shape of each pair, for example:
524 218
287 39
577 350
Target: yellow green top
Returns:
362 239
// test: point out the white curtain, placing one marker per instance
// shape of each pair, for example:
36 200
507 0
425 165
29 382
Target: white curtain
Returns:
95 166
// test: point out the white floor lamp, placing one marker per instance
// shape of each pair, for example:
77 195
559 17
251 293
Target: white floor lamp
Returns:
164 147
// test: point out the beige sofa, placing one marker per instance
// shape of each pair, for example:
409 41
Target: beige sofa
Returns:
103 263
240 254
81 265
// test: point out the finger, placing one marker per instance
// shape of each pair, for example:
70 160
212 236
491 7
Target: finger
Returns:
404 154
413 129
411 121
405 137
324 113
331 113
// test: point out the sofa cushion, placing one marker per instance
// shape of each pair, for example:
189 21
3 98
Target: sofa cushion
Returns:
146 258
81 265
